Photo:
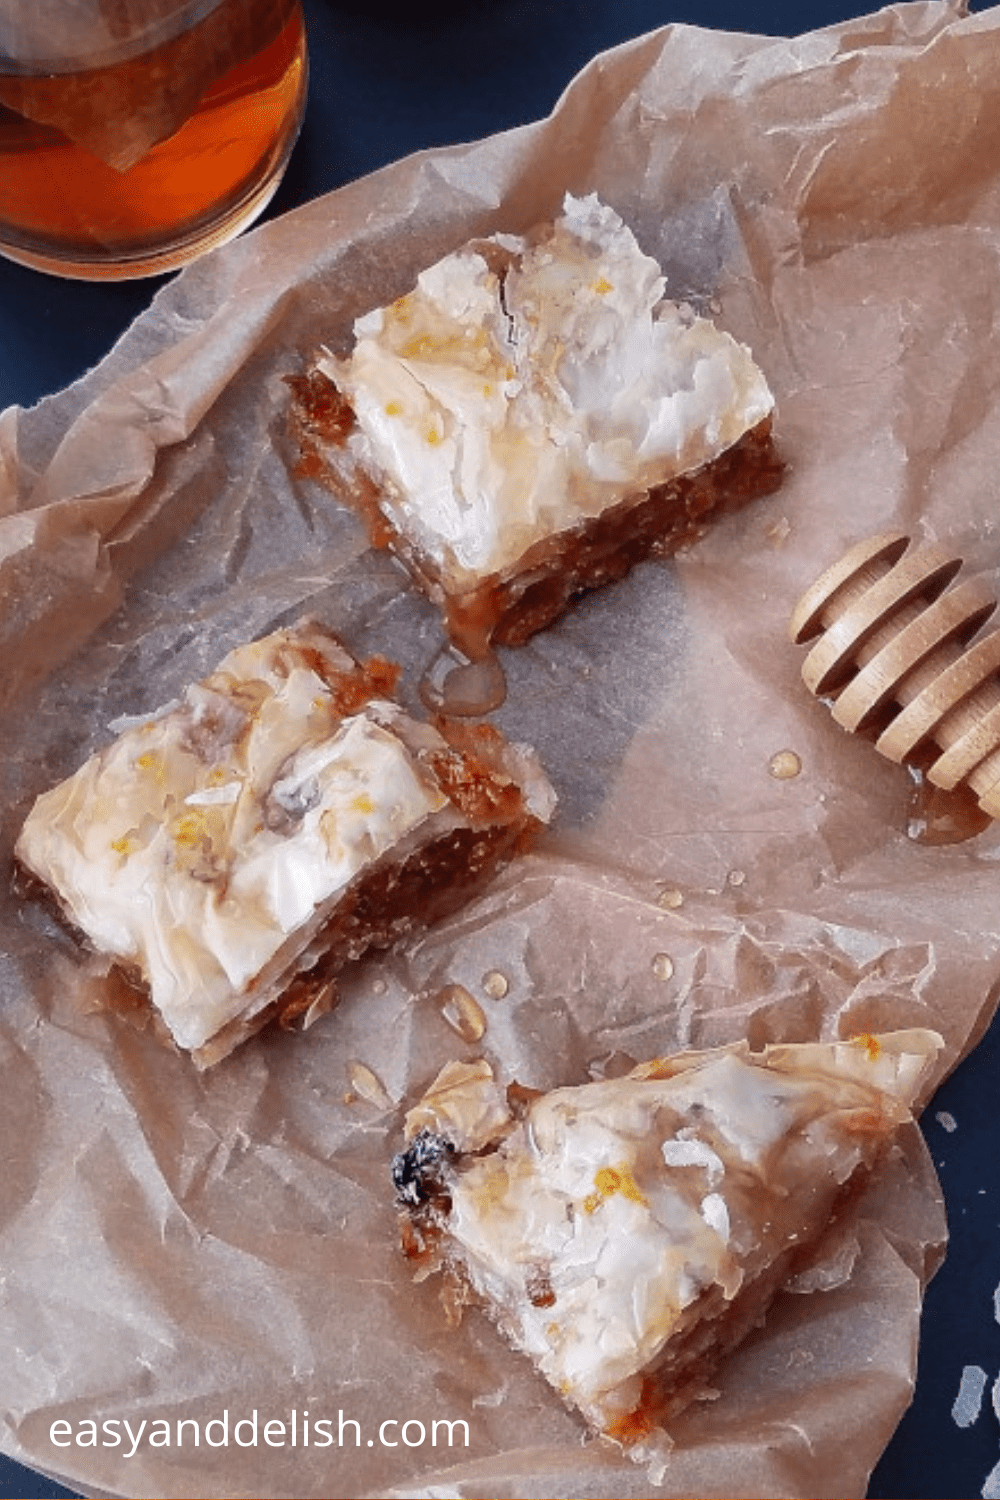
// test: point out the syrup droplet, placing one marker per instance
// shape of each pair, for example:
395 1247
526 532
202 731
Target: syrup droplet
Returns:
462 1011
464 689
671 899
935 816
367 1085
736 877
663 966
495 984
784 765
379 987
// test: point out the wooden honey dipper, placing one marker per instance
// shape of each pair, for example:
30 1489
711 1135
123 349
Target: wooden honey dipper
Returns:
894 654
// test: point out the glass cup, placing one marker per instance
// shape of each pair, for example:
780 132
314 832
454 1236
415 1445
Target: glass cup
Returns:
136 134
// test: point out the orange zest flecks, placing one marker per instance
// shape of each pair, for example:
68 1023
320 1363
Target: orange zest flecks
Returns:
611 1180
871 1044
427 346
393 409
151 763
602 286
125 846
189 828
362 803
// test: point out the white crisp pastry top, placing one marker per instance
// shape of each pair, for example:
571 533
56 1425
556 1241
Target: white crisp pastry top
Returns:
610 1209
201 842
521 388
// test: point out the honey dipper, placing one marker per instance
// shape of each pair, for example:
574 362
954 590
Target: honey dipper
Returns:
893 652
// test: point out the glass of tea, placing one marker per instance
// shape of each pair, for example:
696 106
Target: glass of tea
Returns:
136 134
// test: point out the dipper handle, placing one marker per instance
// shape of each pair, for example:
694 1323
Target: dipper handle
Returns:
892 649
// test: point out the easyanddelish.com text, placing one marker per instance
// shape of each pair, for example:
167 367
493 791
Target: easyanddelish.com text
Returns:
299 1431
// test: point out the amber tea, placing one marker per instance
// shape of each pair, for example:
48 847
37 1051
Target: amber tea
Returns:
168 137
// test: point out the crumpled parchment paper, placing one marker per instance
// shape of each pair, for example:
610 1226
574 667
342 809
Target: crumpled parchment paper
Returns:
175 1245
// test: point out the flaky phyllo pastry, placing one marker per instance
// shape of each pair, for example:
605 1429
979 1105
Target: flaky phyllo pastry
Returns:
234 850
627 1234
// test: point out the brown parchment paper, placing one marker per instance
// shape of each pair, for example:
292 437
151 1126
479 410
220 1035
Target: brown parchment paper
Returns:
183 1246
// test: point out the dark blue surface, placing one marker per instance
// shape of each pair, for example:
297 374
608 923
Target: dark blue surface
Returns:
930 1456
385 81
16 1480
